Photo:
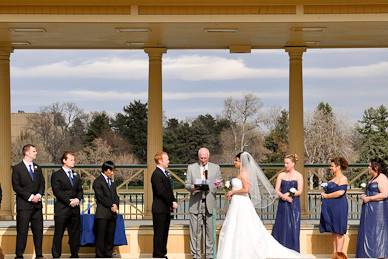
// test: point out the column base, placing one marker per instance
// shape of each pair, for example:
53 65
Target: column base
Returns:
6 215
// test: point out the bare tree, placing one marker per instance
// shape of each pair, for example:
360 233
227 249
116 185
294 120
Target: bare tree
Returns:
242 114
326 136
52 125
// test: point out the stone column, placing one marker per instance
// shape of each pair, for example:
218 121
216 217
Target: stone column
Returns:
155 121
296 128
5 134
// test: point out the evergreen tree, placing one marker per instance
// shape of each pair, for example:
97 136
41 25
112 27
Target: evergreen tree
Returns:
132 126
277 139
373 131
99 127
183 139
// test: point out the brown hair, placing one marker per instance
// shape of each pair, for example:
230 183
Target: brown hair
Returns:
378 165
292 157
26 148
341 162
339 255
159 156
65 154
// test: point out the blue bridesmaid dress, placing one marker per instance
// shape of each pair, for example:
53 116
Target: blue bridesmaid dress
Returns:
287 224
372 239
334 212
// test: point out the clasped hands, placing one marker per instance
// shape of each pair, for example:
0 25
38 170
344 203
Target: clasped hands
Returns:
286 197
365 198
35 198
74 202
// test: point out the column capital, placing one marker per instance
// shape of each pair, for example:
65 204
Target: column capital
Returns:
155 52
295 53
5 52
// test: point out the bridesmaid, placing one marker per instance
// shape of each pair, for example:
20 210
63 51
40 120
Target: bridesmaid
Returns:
287 224
334 211
372 239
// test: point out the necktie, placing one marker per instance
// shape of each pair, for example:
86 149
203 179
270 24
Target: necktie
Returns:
70 174
109 182
31 172
167 174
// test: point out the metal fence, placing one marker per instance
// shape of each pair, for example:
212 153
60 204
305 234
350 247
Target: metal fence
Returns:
129 179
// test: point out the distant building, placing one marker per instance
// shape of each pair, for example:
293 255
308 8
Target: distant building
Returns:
20 124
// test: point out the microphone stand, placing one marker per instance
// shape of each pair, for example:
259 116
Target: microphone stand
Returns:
204 189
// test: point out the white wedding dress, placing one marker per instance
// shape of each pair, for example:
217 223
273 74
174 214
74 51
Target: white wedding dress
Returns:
243 235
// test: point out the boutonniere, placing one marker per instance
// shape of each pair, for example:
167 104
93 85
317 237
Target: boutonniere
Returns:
74 174
35 167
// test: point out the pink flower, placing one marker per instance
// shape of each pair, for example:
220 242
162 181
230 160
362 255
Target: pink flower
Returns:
218 183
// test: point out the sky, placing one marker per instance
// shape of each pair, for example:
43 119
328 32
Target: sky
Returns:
198 81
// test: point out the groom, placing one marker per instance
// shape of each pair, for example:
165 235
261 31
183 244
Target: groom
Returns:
197 172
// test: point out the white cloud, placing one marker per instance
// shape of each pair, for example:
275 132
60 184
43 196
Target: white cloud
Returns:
109 68
189 68
169 96
87 95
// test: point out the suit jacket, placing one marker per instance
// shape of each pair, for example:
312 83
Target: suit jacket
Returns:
24 186
194 172
64 191
162 193
105 198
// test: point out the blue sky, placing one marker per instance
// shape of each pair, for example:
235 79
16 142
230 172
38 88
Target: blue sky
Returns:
197 82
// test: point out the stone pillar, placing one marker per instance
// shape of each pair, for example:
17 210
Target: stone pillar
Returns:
5 134
155 121
296 127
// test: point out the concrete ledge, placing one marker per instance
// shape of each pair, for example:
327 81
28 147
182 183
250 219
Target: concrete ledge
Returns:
140 237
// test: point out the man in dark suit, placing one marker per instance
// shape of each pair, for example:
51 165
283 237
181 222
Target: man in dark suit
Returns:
28 183
107 208
163 203
67 189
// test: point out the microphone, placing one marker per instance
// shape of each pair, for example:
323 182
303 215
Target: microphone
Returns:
205 172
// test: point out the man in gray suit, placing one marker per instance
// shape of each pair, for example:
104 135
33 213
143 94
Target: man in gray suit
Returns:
197 172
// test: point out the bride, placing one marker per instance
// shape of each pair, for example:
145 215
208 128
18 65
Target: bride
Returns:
243 235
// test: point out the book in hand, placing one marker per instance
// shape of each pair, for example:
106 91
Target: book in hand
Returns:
202 185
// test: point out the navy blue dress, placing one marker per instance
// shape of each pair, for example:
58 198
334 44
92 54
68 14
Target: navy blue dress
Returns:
287 224
373 233
334 212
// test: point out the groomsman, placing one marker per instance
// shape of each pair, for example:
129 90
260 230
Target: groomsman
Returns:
163 204
67 189
200 171
107 208
28 184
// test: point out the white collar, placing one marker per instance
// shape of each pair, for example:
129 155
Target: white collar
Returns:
67 170
161 168
106 177
28 164
205 167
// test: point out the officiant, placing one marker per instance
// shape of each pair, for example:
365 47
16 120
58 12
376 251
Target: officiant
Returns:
202 202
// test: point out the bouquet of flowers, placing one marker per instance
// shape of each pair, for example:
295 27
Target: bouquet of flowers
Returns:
363 187
218 183
292 191
324 186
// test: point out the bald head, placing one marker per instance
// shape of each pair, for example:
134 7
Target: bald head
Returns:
203 155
